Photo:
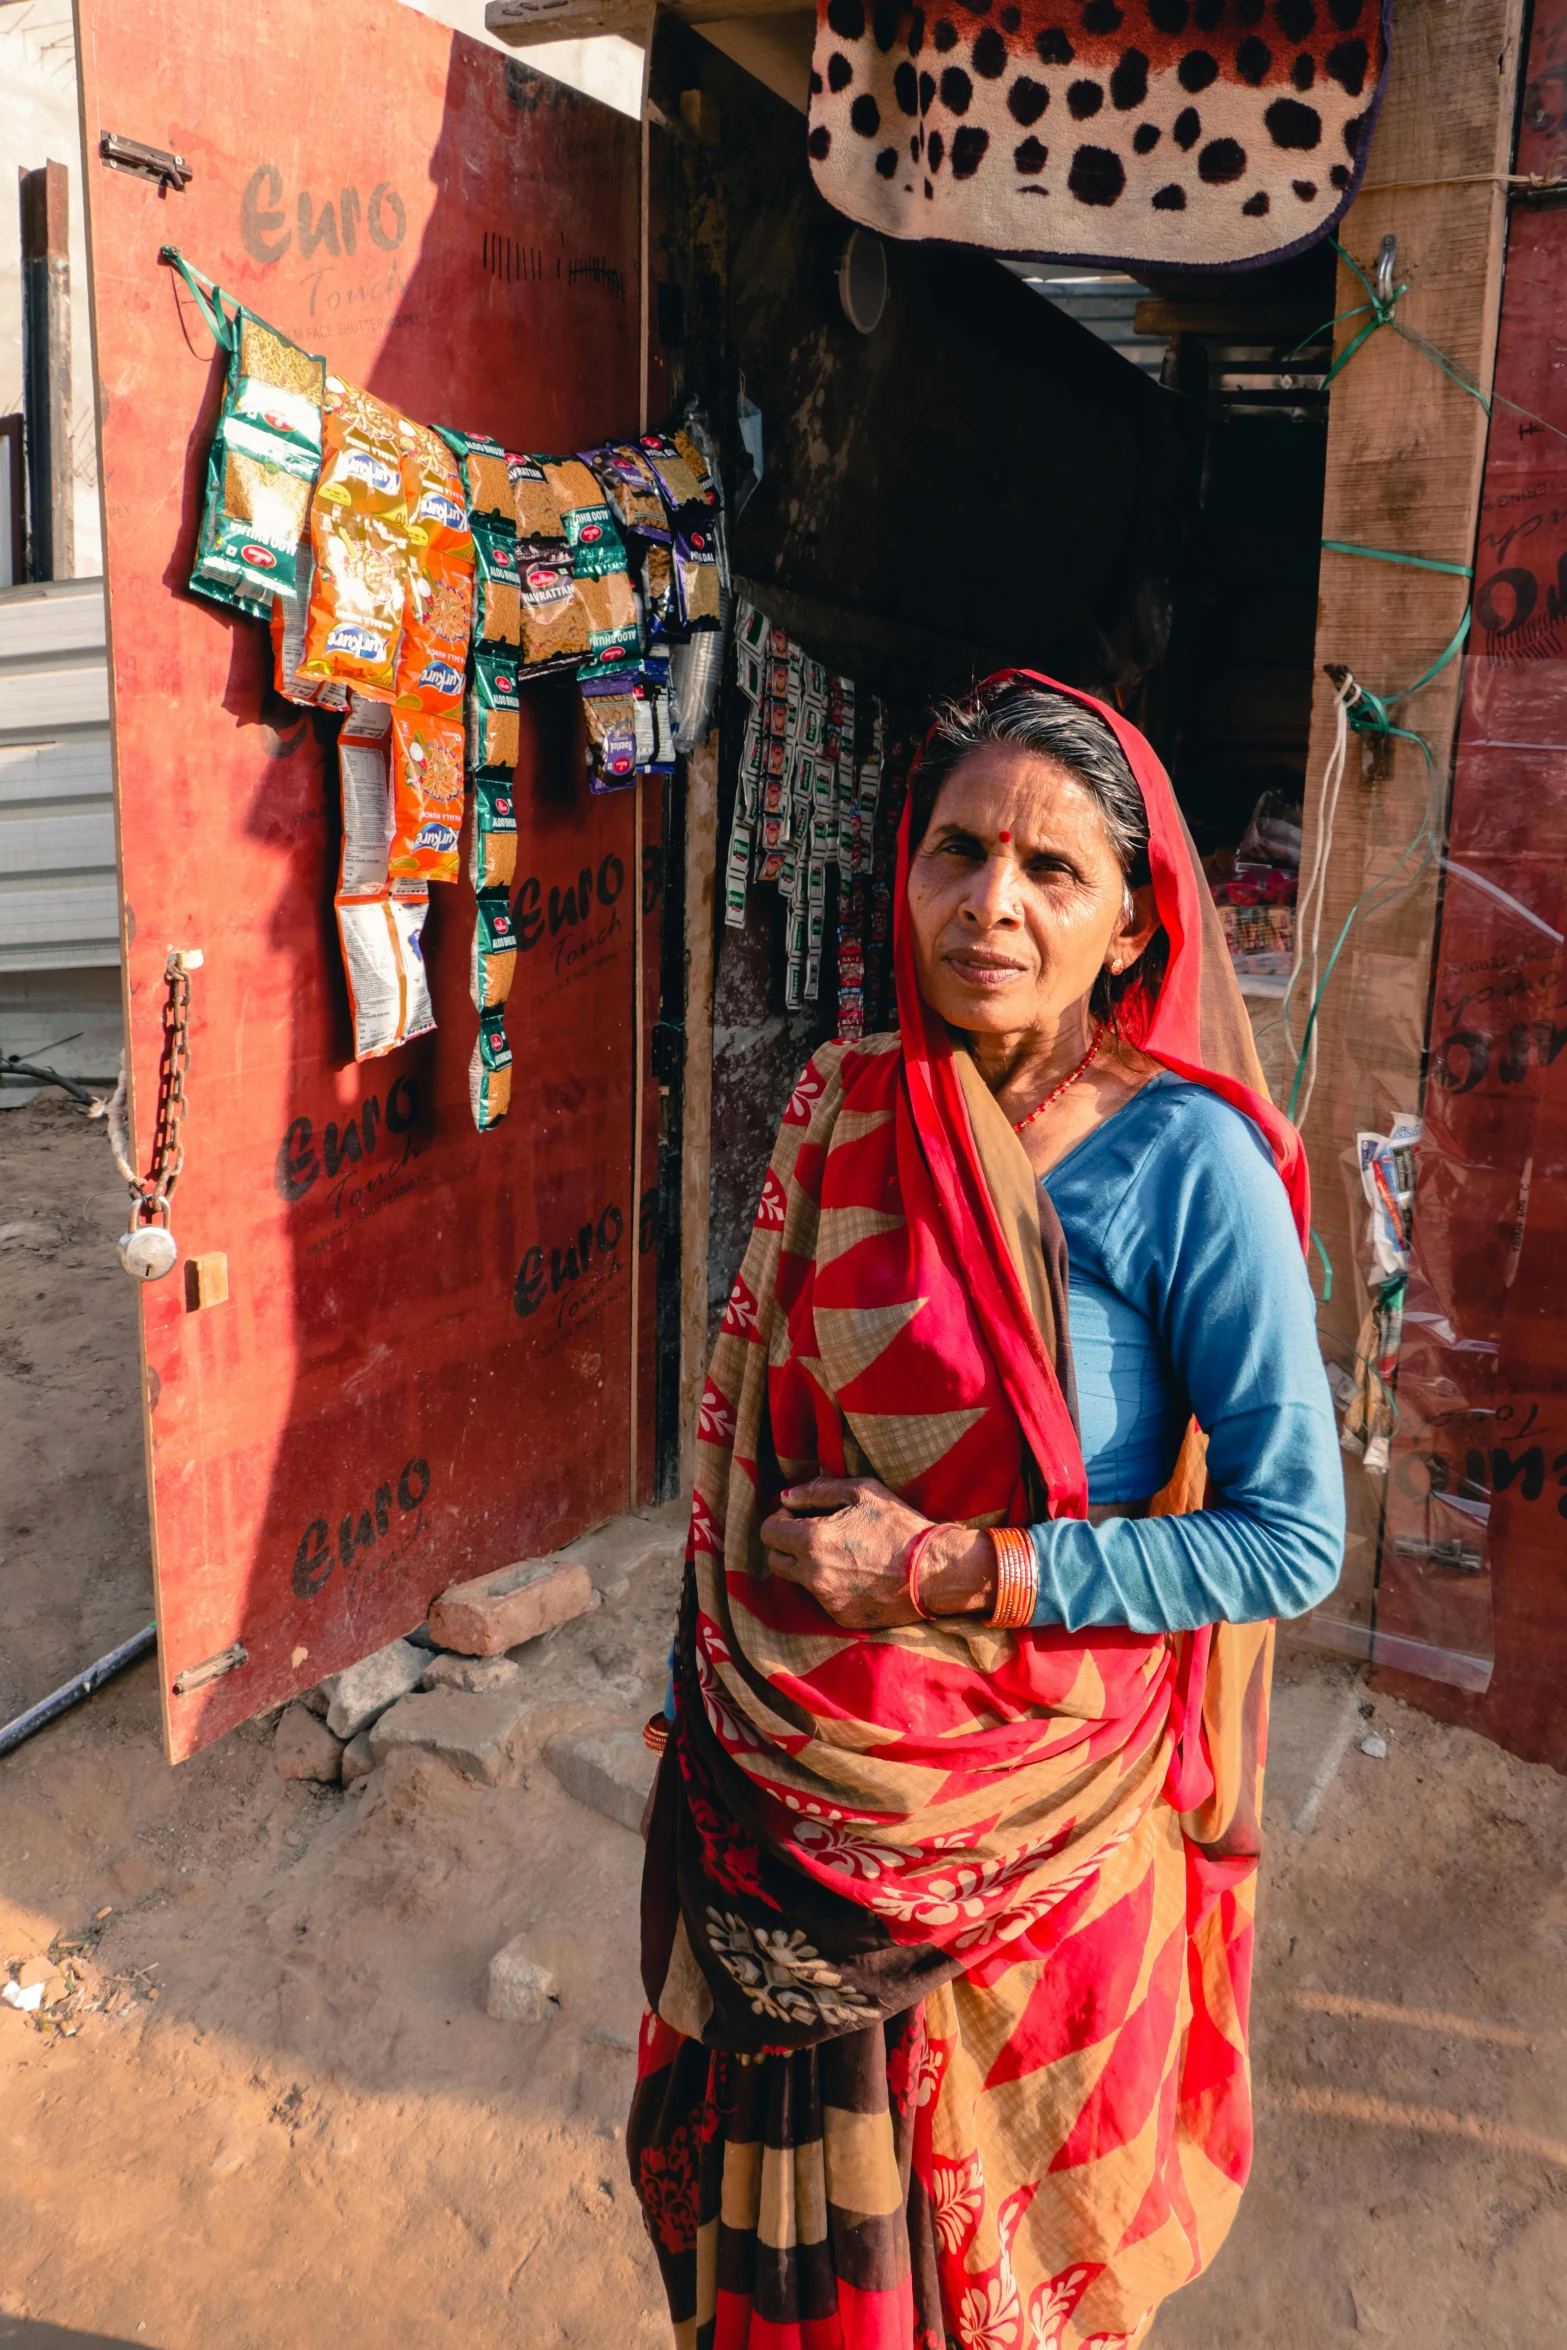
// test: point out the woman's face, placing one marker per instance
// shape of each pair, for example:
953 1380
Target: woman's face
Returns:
1016 897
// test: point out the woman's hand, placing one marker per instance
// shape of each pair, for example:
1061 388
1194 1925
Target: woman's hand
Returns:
854 1561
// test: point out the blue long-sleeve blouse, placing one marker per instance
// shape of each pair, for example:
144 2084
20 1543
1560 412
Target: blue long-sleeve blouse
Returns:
1188 1294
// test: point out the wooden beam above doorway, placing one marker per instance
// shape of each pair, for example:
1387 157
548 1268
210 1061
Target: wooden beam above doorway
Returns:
522 24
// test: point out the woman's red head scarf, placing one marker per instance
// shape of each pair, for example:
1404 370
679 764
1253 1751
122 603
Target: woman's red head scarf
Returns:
1197 1027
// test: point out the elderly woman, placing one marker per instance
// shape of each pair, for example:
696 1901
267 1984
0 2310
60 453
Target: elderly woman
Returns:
947 1910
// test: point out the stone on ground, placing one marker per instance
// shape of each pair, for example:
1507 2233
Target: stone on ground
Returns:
478 1674
513 1604
358 1761
517 1990
305 1748
614 1553
608 1770
475 1733
365 1690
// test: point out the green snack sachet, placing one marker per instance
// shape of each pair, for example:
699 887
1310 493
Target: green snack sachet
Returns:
264 459
489 1072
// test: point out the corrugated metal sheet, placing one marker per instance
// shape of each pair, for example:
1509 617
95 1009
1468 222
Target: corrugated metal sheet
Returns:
1102 300
59 899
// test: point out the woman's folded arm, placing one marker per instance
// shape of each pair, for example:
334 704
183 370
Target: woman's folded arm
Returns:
1203 1242
1272 1547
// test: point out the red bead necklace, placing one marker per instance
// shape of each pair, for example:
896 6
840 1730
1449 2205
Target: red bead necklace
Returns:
1094 1042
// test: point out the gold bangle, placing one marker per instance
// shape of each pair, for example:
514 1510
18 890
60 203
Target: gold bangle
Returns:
1017 1579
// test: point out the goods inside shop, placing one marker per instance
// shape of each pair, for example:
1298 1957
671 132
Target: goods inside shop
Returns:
564 526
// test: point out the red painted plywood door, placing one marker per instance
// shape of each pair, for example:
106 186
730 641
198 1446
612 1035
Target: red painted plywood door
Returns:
424 1366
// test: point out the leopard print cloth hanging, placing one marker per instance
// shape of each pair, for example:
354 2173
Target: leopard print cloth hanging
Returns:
1173 134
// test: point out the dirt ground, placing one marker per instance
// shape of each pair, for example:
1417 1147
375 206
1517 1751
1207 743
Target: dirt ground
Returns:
274 2111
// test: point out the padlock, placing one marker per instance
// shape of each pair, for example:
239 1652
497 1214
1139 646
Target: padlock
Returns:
148 1251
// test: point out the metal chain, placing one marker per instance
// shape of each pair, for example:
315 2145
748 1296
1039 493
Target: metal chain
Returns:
151 1193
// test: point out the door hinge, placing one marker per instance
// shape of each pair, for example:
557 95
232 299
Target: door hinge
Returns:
151 163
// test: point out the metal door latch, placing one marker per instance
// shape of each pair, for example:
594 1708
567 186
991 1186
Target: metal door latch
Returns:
150 163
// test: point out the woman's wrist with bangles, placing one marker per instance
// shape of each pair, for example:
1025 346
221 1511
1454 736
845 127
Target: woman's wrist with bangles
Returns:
963 1571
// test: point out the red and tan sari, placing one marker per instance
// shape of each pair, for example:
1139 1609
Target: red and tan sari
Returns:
946 1932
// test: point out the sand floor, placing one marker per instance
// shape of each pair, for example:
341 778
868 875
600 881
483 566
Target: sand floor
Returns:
275 2113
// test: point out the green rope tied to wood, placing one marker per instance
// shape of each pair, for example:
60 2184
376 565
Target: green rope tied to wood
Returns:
1379 309
1368 713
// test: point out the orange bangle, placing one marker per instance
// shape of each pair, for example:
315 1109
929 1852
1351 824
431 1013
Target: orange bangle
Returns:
911 1572
1017 1579
655 1733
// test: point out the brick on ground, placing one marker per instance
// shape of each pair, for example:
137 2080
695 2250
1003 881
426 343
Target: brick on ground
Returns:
501 1610
610 1770
479 1733
355 1697
305 1748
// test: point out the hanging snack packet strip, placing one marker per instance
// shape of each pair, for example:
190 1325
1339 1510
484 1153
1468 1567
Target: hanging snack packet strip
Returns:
365 783
492 847
288 642
379 922
696 574
427 731
497 620
485 479
680 485
658 592
628 725
359 537
265 455
493 963
535 508
553 616
427 792
438 612
599 567
631 487
687 446
609 605
610 711
494 723
554 624
388 991
489 1072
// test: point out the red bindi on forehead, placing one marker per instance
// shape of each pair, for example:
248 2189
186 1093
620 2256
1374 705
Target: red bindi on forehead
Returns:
1004 836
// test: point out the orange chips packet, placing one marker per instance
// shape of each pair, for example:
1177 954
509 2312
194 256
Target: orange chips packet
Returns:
437 624
288 642
359 540
427 796
361 453
432 485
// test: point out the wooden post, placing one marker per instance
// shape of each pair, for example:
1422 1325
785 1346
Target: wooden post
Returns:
46 370
1406 449
697 1159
